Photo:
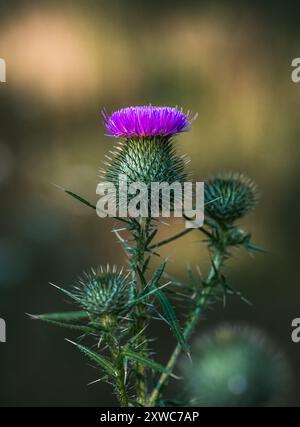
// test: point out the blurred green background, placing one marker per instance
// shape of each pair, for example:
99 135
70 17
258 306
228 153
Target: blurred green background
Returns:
228 61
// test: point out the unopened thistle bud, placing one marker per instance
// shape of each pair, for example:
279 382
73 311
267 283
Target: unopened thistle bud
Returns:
146 152
104 291
237 366
229 197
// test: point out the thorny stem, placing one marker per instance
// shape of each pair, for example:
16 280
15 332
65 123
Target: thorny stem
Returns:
190 325
121 389
119 384
177 236
171 239
137 261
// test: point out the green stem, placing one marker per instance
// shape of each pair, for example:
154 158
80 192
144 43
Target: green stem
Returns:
189 327
119 385
177 236
138 262
171 239
121 388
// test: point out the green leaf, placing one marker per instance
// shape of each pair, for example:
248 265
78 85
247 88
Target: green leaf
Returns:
68 293
157 275
82 328
146 264
95 357
255 247
151 237
68 316
142 277
149 288
78 198
85 202
168 309
150 363
143 296
171 318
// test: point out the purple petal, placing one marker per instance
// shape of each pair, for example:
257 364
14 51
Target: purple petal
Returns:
146 121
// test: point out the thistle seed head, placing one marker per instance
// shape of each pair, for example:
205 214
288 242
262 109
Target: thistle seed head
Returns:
229 197
104 291
238 366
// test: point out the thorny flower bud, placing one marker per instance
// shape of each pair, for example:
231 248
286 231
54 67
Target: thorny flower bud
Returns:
104 292
229 197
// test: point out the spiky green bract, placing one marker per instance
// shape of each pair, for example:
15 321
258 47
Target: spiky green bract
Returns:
229 197
146 160
104 291
237 366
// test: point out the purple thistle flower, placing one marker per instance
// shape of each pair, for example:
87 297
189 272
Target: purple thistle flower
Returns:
147 121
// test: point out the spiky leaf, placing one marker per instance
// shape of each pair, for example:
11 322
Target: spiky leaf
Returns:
255 247
171 318
68 316
146 361
95 357
157 275
81 328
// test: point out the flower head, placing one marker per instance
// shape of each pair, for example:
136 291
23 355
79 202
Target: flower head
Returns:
229 196
237 366
146 121
104 291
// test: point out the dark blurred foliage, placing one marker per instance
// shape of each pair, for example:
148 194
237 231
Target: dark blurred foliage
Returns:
229 61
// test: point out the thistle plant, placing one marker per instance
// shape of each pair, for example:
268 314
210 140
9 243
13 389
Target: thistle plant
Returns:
116 305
